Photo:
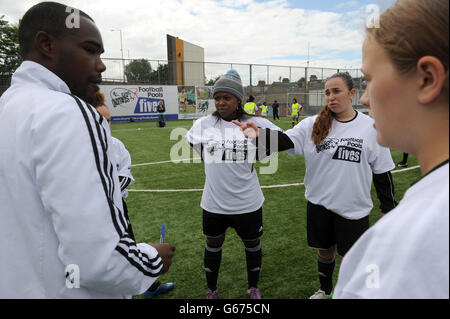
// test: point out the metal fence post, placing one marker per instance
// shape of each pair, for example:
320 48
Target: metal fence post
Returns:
250 79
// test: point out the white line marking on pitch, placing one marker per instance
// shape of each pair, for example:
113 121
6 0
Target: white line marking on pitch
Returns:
267 186
171 161
405 169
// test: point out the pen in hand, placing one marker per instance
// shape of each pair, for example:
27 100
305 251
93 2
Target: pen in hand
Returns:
161 237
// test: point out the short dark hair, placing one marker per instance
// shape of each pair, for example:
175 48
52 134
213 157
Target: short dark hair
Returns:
45 16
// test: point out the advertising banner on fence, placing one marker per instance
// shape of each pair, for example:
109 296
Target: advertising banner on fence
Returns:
139 102
195 102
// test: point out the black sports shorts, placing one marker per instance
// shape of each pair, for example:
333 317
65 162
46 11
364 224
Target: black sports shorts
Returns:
326 229
248 226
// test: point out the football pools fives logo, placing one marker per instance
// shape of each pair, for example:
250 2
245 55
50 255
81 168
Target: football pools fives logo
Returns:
220 148
347 149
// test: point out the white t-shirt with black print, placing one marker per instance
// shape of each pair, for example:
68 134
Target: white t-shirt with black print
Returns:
339 171
231 182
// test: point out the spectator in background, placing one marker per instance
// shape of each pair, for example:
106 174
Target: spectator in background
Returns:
275 107
250 107
296 108
161 109
404 162
264 109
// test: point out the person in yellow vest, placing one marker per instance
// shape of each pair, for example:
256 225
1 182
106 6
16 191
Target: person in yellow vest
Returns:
296 108
250 107
264 109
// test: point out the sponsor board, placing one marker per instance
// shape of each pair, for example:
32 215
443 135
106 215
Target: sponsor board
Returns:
140 102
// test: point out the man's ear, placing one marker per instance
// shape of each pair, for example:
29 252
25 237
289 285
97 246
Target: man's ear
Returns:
45 44
431 75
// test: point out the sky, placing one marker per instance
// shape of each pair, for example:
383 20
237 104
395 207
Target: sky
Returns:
275 32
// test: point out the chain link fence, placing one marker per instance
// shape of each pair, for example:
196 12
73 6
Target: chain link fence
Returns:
266 83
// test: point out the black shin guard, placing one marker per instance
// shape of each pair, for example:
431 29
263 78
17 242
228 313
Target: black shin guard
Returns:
212 259
254 262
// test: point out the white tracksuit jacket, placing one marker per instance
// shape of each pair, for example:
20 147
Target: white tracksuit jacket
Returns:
60 199
122 159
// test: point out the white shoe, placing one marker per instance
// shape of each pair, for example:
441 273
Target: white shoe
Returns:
320 294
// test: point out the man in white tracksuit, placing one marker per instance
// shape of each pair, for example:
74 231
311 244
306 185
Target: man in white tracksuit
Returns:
63 230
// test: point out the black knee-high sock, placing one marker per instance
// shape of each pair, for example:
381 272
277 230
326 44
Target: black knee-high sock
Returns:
405 158
326 268
212 259
254 261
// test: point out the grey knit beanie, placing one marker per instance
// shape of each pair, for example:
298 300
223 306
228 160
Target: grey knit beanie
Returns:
230 83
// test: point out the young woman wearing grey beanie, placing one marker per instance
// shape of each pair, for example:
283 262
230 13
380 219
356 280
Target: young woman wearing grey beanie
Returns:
232 196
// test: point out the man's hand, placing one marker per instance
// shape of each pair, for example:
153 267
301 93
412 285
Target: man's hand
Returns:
166 252
249 129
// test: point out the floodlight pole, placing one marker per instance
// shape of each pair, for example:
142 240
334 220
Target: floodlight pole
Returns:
121 52
251 80
306 79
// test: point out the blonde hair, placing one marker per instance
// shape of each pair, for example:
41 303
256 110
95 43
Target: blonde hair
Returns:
412 29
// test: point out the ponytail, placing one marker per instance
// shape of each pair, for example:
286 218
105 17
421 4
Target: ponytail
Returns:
322 125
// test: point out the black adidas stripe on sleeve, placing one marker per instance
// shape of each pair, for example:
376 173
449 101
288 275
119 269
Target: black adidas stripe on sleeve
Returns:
126 246
124 182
